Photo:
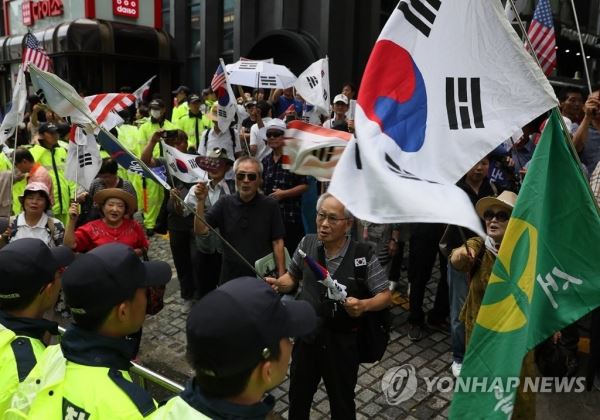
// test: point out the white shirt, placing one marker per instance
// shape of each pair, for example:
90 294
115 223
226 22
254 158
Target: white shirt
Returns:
258 138
38 231
221 189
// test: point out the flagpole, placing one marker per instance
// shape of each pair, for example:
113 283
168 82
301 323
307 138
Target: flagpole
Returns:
12 175
585 66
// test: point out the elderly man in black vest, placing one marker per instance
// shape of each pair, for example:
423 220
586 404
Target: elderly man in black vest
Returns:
331 353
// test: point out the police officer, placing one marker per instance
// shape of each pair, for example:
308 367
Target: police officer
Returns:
332 353
30 273
237 342
154 193
106 291
181 96
194 122
53 157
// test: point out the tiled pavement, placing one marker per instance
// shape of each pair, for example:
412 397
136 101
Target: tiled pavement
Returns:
163 349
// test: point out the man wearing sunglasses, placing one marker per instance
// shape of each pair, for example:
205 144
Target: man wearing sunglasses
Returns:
248 220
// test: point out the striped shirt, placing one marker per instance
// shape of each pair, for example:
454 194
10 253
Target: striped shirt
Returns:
377 280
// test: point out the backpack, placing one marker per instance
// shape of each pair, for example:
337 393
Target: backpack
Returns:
374 327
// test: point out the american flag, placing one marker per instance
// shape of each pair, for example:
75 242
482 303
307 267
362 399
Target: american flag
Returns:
35 54
541 34
218 80
103 103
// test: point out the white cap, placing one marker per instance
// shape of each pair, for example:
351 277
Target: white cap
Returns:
341 98
276 123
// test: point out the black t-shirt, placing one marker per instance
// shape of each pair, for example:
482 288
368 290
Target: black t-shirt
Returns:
248 123
249 227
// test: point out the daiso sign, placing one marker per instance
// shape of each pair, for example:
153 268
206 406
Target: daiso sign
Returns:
127 8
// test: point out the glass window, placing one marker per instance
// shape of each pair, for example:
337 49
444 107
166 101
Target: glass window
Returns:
228 19
166 15
194 14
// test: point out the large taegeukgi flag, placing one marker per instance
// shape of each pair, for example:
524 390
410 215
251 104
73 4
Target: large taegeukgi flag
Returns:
447 81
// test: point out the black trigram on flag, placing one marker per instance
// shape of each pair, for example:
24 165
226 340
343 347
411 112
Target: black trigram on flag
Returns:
248 65
268 81
85 159
40 94
466 103
324 154
394 167
420 13
312 81
222 112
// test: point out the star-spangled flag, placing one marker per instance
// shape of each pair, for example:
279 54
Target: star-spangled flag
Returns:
446 82
335 290
183 166
313 84
104 107
141 92
542 36
312 150
14 117
34 53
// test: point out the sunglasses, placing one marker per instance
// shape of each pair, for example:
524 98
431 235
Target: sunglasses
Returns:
272 134
501 216
240 176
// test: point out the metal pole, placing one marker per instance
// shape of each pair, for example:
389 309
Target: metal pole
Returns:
12 175
585 67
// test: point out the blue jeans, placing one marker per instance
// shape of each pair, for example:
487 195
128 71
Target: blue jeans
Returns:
458 288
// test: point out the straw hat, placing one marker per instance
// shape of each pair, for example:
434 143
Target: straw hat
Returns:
507 200
101 196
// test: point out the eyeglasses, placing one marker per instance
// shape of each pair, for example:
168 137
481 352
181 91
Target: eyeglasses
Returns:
501 216
240 176
333 220
272 134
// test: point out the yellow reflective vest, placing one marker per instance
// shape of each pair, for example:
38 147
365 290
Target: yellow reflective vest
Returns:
188 123
177 409
56 168
18 356
61 389
179 111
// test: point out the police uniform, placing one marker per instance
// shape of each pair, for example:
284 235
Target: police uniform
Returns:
26 266
179 111
194 126
154 192
54 161
20 347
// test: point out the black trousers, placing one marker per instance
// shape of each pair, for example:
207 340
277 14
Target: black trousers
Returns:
183 248
294 232
332 356
422 251
209 270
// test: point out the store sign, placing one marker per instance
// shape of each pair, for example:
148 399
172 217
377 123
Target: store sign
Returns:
34 11
127 8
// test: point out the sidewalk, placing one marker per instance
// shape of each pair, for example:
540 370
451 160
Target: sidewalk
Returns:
163 349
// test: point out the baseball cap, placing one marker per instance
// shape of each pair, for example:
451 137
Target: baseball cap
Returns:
276 124
340 98
27 264
181 88
194 98
250 103
156 104
47 127
237 325
108 275
37 186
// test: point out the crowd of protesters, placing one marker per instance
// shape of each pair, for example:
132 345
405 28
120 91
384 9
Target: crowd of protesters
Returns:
237 327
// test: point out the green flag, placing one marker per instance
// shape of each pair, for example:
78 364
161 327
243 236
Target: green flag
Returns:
546 276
